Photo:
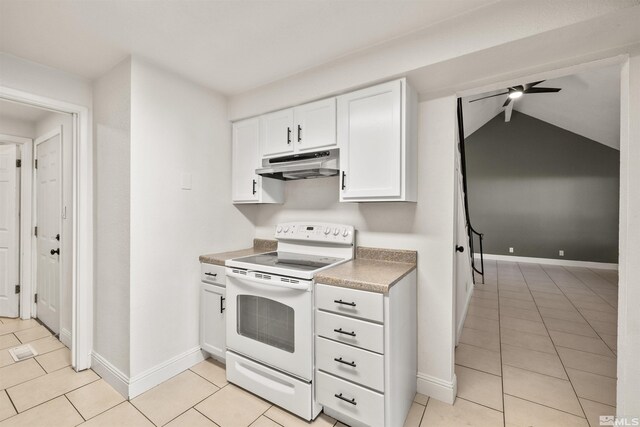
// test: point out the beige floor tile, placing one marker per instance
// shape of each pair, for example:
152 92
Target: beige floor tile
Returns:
589 362
578 328
553 303
166 401
232 406
421 399
55 360
414 417
603 306
611 341
21 372
517 303
522 325
593 387
95 398
287 419
594 410
211 370
483 303
191 418
600 316
478 358
8 341
517 313
479 387
6 408
488 340
461 413
17 325
264 422
45 345
475 322
54 413
542 389
477 293
487 313
604 328
529 341
5 358
32 334
522 413
123 415
525 295
554 313
579 342
38 390
536 361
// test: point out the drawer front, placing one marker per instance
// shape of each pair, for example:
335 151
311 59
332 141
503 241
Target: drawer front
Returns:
359 333
350 302
353 364
359 403
210 273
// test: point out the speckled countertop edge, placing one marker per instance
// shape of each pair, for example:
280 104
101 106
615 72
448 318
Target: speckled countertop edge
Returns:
259 246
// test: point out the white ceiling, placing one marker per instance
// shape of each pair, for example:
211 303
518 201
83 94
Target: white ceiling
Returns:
230 46
22 112
588 104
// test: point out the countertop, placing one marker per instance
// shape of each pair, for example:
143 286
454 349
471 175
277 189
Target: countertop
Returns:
373 270
259 246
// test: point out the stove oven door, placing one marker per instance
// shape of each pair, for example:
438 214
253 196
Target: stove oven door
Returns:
271 321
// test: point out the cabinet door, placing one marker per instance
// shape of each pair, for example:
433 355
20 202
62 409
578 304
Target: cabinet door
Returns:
315 125
370 141
245 161
277 133
212 319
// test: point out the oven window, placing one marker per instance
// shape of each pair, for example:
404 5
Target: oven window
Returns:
267 321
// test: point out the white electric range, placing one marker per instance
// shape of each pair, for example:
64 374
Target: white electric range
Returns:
270 313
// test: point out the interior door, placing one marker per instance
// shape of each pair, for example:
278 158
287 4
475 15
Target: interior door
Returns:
9 260
48 219
245 161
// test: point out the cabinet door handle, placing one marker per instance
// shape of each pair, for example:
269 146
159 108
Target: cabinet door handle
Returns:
352 401
339 301
211 274
299 133
55 251
340 331
339 359
343 177
222 307
288 135
254 186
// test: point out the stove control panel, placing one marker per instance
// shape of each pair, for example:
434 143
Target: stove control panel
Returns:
316 232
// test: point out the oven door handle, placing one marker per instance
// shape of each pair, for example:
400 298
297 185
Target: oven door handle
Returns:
252 280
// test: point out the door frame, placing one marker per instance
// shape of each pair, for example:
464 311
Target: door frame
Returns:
82 222
34 218
26 194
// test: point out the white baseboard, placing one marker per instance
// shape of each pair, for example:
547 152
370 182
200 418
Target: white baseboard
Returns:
438 389
65 337
112 375
551 261
162 372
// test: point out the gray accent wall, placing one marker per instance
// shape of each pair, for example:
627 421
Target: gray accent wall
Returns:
540 189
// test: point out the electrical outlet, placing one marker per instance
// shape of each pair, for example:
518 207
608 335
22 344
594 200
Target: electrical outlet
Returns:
561 252
510 250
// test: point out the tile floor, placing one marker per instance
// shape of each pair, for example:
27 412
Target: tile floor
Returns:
538 348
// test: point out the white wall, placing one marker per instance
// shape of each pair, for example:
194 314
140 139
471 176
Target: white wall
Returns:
17 127
112 151
176 127
48 123
426 226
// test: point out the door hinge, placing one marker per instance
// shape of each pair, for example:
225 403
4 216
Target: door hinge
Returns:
35 298
18 163
17 289
35 231
36 165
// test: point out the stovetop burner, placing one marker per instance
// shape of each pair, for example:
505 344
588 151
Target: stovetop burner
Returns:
289 260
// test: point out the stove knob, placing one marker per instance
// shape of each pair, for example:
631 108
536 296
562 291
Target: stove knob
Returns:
286 228
327 230
279 229
345 232
336 231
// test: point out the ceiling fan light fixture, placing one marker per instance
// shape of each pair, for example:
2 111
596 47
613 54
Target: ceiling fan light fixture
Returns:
515 94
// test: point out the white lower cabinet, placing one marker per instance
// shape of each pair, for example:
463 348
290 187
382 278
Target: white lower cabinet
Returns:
212 313
366 357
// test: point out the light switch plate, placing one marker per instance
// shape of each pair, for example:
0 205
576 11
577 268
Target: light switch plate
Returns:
186 181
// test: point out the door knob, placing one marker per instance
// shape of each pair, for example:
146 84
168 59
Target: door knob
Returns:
55 251
460 249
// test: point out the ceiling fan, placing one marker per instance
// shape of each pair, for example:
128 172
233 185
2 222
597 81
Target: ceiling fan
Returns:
516 92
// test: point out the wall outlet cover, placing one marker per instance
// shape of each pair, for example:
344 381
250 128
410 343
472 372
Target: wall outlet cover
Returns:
561 252
510 250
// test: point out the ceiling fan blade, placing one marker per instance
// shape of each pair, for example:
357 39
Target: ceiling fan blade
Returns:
490 96
530 85
542 90
507 102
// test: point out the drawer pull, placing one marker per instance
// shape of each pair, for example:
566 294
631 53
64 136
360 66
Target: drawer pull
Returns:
339 301
211 274
340 331
339 359
352 401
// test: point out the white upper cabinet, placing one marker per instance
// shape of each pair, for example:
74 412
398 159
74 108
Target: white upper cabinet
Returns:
377 140
277 133
315 125
247 187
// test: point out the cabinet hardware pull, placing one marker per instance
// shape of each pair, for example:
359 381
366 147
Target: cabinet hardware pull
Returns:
58 237
221 306
340 331
352 401
339 301
299 133
55 251
343 184
460 249
288 135
339 359
254 186
211 274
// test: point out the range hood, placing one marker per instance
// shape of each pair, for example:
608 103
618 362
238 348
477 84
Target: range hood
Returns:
318 164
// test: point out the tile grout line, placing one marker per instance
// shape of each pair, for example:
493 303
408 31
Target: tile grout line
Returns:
192 406
206 379
74 407
504 409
